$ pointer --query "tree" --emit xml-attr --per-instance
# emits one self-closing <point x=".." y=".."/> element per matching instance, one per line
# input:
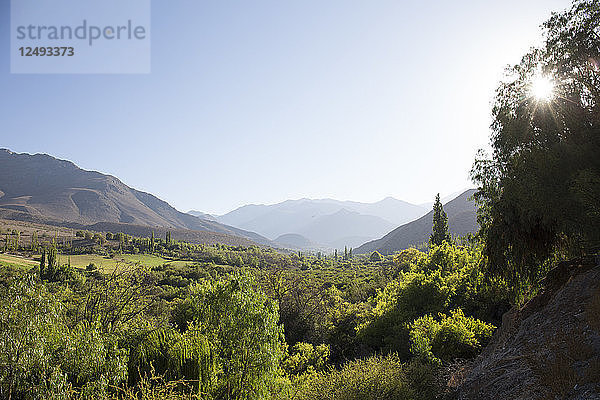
<point x="28" y="317"/>
<point x="539" y="190"/>
<point x="34" y="241"/>
<point x="375" y="257"/>
<point x="52" y="257"/>
<point x="43" y="262"/>
<point x="440" y="232"/>
<point x="241" y="324"/>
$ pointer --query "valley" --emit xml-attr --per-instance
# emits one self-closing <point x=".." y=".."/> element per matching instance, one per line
<point x="268" y="121"/>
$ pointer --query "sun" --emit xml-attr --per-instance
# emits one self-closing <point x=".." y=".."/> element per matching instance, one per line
<point x="542" y="88"/>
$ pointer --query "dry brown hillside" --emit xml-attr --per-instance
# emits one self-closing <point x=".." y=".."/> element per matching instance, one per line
<point x="549" y="348"/>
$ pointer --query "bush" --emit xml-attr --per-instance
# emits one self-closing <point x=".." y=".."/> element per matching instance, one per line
<point x="174" y="356"/>
<point x="373" y="378"/>
<point x="454" y="336"/>
<point x="414" y="295"/>
<point x="41" y="357"/>
<point x="305" y="357"/>
<point x="242" y="327"/>
<point x="375" y="257"/>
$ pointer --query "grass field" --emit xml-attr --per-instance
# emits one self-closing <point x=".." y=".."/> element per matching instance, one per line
<point x="108" y="264"/>
<point x="105" y="264"/>
<point x="17" y="262"/>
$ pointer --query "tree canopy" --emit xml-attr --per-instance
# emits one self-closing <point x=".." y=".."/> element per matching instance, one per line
<point x="539" y="190"/>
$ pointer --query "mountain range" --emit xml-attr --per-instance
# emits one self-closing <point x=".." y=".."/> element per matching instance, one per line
<point x="43" y="188"/>
<point x="324" y="222"/>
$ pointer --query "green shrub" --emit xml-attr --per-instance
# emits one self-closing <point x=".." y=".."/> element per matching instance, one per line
<point x="41" y="357"/>
<point x="413" y="295"/>
<point x="241" y="324"/>
<point x="305" y="357"/>
<point x="173" y="356"/>
<point x="376" y="377"/>
<point x="454" y="336"/>
<point x="90" y="359"/>
<point x="375" y="257"/>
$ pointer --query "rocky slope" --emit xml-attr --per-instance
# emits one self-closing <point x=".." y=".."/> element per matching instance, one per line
<point x="549" y="348"/>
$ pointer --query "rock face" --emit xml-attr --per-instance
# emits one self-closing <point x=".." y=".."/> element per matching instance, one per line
<point x="548" y="349"/>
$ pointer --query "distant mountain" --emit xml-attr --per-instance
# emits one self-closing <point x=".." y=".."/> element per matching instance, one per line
<point x="45" y="188"/>
<point x="295" y="241"/>
<point x="325" y="222"/>
<point x="444" y="200"/>
<point x="202" y="215"/>
<point x="345" y="228"/>
<point x="462" y="219"/>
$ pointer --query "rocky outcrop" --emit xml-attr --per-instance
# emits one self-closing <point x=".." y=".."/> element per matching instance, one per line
<point x="549" y="348"/>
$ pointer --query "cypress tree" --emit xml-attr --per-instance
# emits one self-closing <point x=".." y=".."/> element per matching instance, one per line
<point x="440" y="232"/>
<point x="43" y="262"/>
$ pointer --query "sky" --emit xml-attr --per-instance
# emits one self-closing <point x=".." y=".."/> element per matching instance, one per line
<point x="262" y="101"/>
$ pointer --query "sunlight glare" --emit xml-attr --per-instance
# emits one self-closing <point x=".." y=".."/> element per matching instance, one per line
<point x="542" y="88"/>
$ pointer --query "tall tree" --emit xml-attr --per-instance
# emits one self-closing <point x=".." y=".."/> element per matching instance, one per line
<point x="539" y="190"/>
<point x="440" y="232"/>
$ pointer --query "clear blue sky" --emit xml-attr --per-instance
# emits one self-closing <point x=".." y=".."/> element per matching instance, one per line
<point x="262" y="101"/>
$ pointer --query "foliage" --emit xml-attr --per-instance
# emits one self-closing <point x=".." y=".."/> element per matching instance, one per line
<point x="242" y="326"/>
<point x="373" y="378"/>
<point x="539" y="191"/>
<point x="453" y="336"/>
<point x="375" y="257"/>
<point x="173" y="356"/>
<point x="446" y="278"/>
<point x="305" y="357"/>
<point x="28" y="317"/>
<point x="191" y="328"/>
<point x="114" y="300"/>
<point x="440" y="232"/>
<point x="41" y="357"/>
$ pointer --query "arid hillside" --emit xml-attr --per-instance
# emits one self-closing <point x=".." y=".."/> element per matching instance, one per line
<point x="548" y="349"/>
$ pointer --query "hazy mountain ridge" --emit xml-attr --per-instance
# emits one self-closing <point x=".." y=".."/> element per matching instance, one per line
<point x="462" y="219"/>
<point x="325" y="222"/>
<point x="295" y="241"/>
<point x="201" y="215"/>
<point x="49" y="188"/>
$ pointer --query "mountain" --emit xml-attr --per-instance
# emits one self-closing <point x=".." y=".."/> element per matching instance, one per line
<point x="462" y="219"/>
<point x="202" y="215"/>
<point x="45" y="188"/>
<point x="345" y="228"/>
<point x="326" y="222"/>
<point x="444" y="200"/>
<point x="295" y="241"/>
